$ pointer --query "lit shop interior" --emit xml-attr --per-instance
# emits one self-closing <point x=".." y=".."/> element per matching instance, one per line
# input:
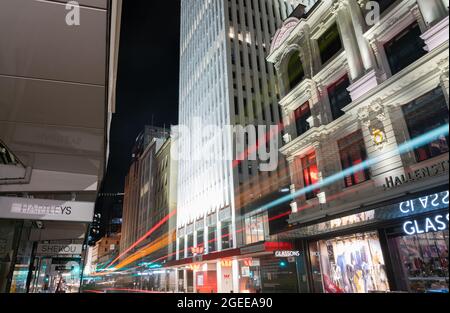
<point x="31" y="265"/>
<point x="401" y="247"/>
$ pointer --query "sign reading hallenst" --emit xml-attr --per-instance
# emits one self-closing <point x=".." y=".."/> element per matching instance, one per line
<point x="46" y="210"/>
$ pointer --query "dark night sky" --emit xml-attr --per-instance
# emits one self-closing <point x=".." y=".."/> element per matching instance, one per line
<point x="147" y="82"/>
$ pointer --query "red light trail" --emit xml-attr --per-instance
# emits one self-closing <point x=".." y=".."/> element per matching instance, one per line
<point x="159" y="224"/>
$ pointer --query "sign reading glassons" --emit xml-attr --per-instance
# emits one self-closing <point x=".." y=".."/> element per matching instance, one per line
<point x="286" y="254"/>
<point x="437" y="200"/>
<point x="434" y="223"/>
<point x="43" y="209"/>
<point x="438" y="222"/>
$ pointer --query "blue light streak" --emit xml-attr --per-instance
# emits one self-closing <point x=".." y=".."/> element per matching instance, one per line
<point x="405" y="147"/>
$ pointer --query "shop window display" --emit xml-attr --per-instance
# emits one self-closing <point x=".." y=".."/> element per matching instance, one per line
<point x="350" y="264"/>
<point x="423" y="261"/>
<point x="250" y="276"/>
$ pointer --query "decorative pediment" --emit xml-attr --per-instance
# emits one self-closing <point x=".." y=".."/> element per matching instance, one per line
<point x="283" y="33"/>
<point x="299" y="95"/>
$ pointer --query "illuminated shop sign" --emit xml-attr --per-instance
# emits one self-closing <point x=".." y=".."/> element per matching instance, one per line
<point x="437" y="200"/>
<point x="286" y="254"/>
<point x="43" y="209"/>
<point x="226" y="263"/>
<point x="59" y="249"/>
<point x="197" y="250"/>
<point x="439" y="222"/>
<point x="430" y="204"/>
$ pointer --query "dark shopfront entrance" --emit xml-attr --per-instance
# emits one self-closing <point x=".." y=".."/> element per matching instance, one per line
<point x="395" y="248"/>
<point x="30" y="266"/>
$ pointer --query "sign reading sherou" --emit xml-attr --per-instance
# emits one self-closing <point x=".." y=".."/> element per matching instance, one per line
<point x="43" y="209"/>
<point x="59" y="249"/>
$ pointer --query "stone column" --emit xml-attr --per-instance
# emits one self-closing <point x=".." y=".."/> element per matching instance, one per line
<point x="367" y="55"/>
<point x="444" y="79"/>
<point x="381" y="58"/>
<point x="377" y="117"/>
<point x="281" y="81"/>
<point x="344" y="21"/>
<point x="419" y="17"/>
<point x="432" y="11"/>
<point x="296" y="175"/>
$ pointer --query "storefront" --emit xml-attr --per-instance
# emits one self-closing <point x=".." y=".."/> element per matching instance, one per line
<point x="41" y="244"/>
<point x="269" y="267"/>
<point x="399" y="247"/>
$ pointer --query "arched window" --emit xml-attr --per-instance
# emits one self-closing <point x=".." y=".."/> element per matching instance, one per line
<point x="295" y="70"/>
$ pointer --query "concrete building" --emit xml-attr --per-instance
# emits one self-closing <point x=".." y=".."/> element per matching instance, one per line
<point x="106" y="249"/>
<point x="57" y="81"/>
<point x="150" y="205"/>
<point x="139" y="198"/>
<point x="224" y="81"/>
<point x="358" y="89"/>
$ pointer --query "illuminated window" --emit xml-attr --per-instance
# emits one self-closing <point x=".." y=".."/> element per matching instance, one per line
<point x="405" y="48"/>
<point x="200" y="239"/>
<point x="295" y="70"/>
<point x="339" y="96"/>
<point x="231" y="33"/>
<point x="190" y="244"/>
<point x="423" y="115"/>
<point x="352" y="151"/>
<point x="255" y="228"/>
<point x="227" y="235"/>
<point x="301" y="115"/>
<point x="181" y="248"/>
<point x="212" y="239"/>
<point x="310" y="174"/>
<point x="329" y="44"/>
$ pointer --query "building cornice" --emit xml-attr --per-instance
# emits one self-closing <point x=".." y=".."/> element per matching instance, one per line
<point x="314" y="136"/>
<point x="299" y="95"/>
<point x="416" y="79"/>
<point x="400" y="12"/>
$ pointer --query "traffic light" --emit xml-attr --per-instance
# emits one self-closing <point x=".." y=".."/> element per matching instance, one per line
<point x="283" y="263"/>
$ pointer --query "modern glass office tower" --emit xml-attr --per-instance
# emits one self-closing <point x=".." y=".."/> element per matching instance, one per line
<point x="224" y="80"/>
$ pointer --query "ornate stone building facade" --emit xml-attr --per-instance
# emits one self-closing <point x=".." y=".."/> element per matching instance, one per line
<point x="375" y="89"/>
<point x="359" y="82"/>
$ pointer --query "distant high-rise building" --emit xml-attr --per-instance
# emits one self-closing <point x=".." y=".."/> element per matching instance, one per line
<point x="138" y="196"/>
<point x="224" y="81"/>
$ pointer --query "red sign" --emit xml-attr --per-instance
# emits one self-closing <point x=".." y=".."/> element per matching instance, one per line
<point x="197" y="250"/>
<point x="277" y="246"/>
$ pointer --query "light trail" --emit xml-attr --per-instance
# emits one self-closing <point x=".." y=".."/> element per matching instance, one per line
<point x="159" y="224"/>
<point x="267" y="137"/>
<point x="401" y="149"/>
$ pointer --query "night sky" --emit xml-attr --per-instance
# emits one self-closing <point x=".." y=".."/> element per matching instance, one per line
<point x="147" y="85"/>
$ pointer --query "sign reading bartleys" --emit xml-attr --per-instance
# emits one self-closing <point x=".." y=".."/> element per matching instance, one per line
<point x="47" y="210"/>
